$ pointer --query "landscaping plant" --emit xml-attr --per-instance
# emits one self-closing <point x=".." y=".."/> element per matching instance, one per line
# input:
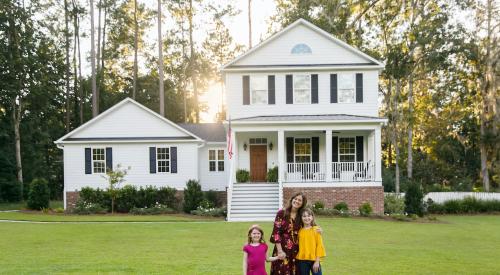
<point x="414" y="200"/>
<point x="192" y="196"/>
<point x="39" y="194"/>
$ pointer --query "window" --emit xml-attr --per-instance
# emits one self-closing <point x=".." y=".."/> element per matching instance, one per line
<point x="347" y="149"/>
<point x="258" y="141"/>
<point x="346" y="88"/>
<point x="302" y="89"/>
<point x="258" y="89"/>
<point x="302" y="148"/>
<point x="301" y="49"/>
<point x="216" y="160"/>
<point x="163" y="159"/>
<point x="98" y="160"/>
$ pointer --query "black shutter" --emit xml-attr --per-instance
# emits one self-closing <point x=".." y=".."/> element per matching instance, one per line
<point x="173" y="162"/>
<point x="289" y="149"/>
<point x="152" y="160"/>
<point x="109" y="159"/>
<point x="333" y="88"/>
<point x="314" y="88"/>
<point x="315" y="149"/>
<point x="246" y="90"/>
<point x="289" y="89"/>
<point x="88" y="161"/>
<point x="271" y="98"/>
<point x="359" y="88"/>
<point x="359" y="148"/>
<point x="335" y="149"/>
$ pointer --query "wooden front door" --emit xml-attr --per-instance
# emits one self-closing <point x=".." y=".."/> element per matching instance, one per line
<point x="258" y="163"/>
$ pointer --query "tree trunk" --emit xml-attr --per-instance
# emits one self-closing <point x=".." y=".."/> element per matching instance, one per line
<point x="394" y="132"/>
<point x="409" y="161"/>
<point x="249" y="24"/>
<point x="95" y="100"/>
<point x="80" y="88"/>
<point x="75" y="70"/>
<point x="484" y="159"/>
<point x="136" y="30"/>
<point x="16" y="118"/>
<point x="67" y="66"/>
<point x="103" y="42"/>
<point x="192" y="63"/>
<point x="160" y="62"/>
<point x="99" y="8"/>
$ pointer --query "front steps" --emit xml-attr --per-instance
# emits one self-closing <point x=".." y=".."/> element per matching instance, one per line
<point x="254" y="202"/>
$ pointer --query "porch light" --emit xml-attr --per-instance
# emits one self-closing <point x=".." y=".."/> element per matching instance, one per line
<point x="271" y="146"/>
<point x="245" y="146"/>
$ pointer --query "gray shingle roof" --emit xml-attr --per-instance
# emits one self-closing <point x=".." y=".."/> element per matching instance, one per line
<point x="308" y="118"/>
<point x="211" y="132"/>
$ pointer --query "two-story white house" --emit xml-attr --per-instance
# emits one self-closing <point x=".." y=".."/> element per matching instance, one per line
<point x="302" y="101"/>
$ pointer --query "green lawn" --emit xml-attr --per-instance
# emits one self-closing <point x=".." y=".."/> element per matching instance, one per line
<point x="456" y="244"/>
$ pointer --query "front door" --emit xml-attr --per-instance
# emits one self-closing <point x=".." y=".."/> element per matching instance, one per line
<point x="258" y="163"/>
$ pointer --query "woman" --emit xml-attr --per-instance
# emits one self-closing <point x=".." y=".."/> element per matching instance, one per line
<point x="285" y="236"/>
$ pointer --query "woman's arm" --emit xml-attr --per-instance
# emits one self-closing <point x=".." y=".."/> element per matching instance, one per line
<point x="281" y="253"/>
<point x="316" y="265"/>
<point x="245" y="256"/>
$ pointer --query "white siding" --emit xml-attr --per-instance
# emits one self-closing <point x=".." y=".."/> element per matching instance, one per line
<point x="129" y="120"/>
<point x="369" y="107"/>
<point x="137" y="157"/>
<point x="213" y="180"/>
<point x="324" y="50"/>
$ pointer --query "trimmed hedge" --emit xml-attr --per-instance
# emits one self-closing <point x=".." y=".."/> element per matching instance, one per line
<point x="468" y="205"/>
<point x="39" y="194"/>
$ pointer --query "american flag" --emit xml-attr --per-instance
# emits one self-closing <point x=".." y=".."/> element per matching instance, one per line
<point x="229" y="141"/>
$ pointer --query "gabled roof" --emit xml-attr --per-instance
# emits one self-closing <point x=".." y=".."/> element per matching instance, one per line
<point x="70" y="136"/>
<point x="210" y="132"/>
<point x="372" y="61"/>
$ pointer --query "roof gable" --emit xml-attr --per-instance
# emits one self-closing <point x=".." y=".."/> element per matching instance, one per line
<point x="128" y="120"/>
<point x="302" y="43"/>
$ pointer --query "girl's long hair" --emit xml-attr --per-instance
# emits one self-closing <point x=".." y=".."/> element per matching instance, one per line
<point x="257" y="227"/>
<point x="310" y="212"/>
<point x="288" y="209"/>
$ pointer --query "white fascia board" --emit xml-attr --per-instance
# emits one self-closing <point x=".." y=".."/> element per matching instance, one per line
<point x="373" y="121"/>
<point x="128" y="141"/>
<point x="306" y="68"/>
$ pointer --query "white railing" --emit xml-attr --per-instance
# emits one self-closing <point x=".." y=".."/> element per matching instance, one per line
<point x="353" y="171"/>
<point x="305" y="172"/>
<point x="441" y="197"/>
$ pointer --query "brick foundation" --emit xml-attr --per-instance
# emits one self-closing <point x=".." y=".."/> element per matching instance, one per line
<point x="72" y="198"/>
<point x="330" y="196"/>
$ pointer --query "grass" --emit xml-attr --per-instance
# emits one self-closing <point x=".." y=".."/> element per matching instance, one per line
<point x="456" y="244"/>
<point x="23" y="205"/>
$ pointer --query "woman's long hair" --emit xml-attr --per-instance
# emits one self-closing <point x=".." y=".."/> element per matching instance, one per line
<point x="288" y="209"/>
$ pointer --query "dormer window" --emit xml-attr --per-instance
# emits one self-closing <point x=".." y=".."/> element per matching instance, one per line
<point x="301" y="49"/>
<point x="258" y="89"/>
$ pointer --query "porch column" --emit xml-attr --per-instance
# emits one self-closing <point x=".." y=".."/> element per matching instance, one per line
<point x="281" y="156"/>
<point x="378" y="154"/>
<point x="234" y="159"/>
<point x="328" y="161"/>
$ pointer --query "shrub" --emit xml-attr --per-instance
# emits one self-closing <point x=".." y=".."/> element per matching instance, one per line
<point x="394" y="204"/>
<point x="39" y="194"/>
<point x="192" y="196"/>
<point x="84" y="208"/>
<point x="341" y="206"/>
<point x="467" y="205"/>
<point x="212" y="197"/>
<point x="211" y="212"/>
<point x="319" y="205"/>
<point x="326" y="211"/>
<point x="98" y="196"/>
<point x="365" y="209"/>
<point x="59" y="210"/>
<point x="272" y="174"/>
<point x="166" y="196"/>
<point x="242" y="175"/>
<point x="10" y="190"/>
<point x="157" y="209"/>
<point x="146" y="196"/>
<point x="126" y="198"/>
<point x="413" y="200"/>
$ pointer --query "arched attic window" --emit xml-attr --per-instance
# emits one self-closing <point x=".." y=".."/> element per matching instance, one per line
<point x="301" y="49"/>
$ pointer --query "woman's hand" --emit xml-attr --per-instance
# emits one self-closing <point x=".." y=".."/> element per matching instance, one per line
<point x="316" y="266"/>
<point x="319" y="230"/>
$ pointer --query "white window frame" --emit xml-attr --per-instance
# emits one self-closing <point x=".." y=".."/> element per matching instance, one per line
<point x="94" y="161"/>
<point x="217" y="160"/>
<point x="294" y="87"/>
<point x="265" y="80"/>
<point x="348" y="154"/>
<point x="163" y="159"/>
<point x="341" y="89"/>
<point x="295" y="155"/>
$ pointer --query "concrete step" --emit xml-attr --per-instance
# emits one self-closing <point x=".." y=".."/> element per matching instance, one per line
<point x="252" y="217"/>
<point x="254" y="203"/>
<point x="249" y="206"/>
<point x="260" y="195"/>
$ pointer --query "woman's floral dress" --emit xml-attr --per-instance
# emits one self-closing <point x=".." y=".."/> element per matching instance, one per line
<point x="285" y="231"/>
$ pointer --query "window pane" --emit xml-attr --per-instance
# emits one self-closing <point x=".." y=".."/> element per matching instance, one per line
<point x="302" y="82"/>
<point x="221" y="166"/>
<point x="259" y="96"/>
<point x="211" y="165"/>
<point x="211" y="154"/>
<point x="258" y="82"/>
<point x="346" y="96"/>
<point x="221" y="155"/>
<point x="258" y="86"/>
<point x="99" y="167"/>
<point x="346" y="81"/>
<point x="301" y="159"/>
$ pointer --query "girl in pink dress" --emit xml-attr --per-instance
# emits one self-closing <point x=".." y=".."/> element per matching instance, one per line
<point x="255" y="253"/>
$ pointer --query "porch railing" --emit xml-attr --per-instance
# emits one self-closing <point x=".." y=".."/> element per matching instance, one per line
<point x="341" y="171"/>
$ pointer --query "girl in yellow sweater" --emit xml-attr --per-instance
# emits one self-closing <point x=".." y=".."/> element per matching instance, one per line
<point x="311" y="248"/>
